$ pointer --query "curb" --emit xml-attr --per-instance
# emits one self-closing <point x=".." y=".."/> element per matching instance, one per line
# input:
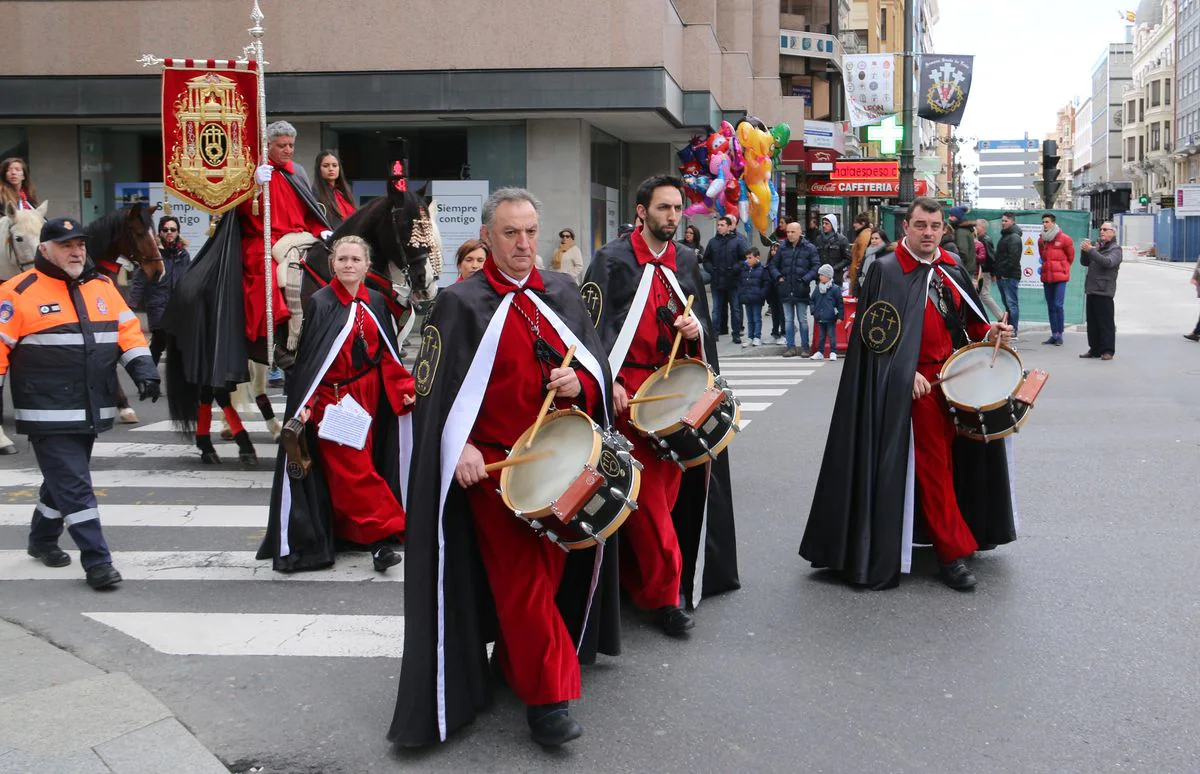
<point x="59" y="713"/>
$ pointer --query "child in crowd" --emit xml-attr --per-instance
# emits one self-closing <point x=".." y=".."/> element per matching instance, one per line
<point x="827" y="309"/>
<point x="754" y="280"/>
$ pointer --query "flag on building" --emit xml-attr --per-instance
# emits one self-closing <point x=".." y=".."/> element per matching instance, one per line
<point x="945" y="86"/>
<point x="870" y="83"/>
<point x="210" y="131"/>
<point x="1128" y="16"/>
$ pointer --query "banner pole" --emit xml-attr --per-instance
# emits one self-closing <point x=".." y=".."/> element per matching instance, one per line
<point x="909" y="107"/>
<point x="256" y="34"/>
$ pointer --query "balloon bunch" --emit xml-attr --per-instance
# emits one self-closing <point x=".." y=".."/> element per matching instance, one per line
<point x="740" y="180"/>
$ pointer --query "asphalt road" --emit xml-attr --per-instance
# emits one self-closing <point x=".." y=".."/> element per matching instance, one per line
<point x="1078" y="652"/>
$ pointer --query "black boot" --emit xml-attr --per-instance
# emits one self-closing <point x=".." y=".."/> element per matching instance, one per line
<point x="51" y="556"/>
<point x="551" y="725"/>
<point x="103" y="576"/>
<point x="208" y="453"/>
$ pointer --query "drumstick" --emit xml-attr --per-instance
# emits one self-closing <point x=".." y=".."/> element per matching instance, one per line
<point x="652" y="398"/>
<point x="537" y="425"/>
<point x="955" y="375"/>
<point x="678" y="337"/>
<point x="996" y="349"/>
<point x="521" y="460"/>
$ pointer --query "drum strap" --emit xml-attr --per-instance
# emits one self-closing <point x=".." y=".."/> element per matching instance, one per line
<point x="943" y="300"/>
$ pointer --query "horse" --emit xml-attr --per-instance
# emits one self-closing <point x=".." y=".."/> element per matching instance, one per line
<point x="20" y="233"/>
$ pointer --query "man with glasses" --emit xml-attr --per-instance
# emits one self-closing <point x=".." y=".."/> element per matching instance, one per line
<point x="1103" y="261"/>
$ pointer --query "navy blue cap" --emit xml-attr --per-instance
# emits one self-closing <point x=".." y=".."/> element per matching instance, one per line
<point x="62" y="230"/>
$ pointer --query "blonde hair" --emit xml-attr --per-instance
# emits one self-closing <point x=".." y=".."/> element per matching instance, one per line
<point x="352" y="240"/>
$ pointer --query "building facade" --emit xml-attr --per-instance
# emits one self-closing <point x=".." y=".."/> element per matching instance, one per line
<point x="1187" y="92"/>
<point x="1064" y="135"/>
<point x="1148" y="113"/>
<point x="1108" y="188"/>
<point x="1081" y="154"/>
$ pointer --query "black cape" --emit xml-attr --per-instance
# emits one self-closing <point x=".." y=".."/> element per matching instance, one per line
<point x="310" y="543"/>
<point x="205" y="318"/>
<point x="450" y="343"/>
<point x="855" y="526"/>
<point x="608" y="291"/>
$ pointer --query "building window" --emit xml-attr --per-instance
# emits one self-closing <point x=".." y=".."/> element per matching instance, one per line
<point x="1141" y="110"/>
<point x="1166" y="133"/>
<point x="1155" y="93"/>
<point x="1167" y="92"/>
<point x="1141" y="147"/>
<point x="1129" y="149"/>
<point x="883" y="28"/>
<point x="1155" y="136"/>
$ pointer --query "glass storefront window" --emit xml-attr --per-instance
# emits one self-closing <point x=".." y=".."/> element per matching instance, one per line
<point x="609" y="167"/>
<point x="115" y="156"/>
<point x="14" y="142"/>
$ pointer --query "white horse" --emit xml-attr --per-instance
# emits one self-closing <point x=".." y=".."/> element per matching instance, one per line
<point x="20" y="232"/>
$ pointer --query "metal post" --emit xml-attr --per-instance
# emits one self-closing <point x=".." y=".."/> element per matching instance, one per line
<point x="256" y="34"/>
<point x="908" y="112"/>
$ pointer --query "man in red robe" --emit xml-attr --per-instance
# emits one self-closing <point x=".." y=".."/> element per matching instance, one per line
<point x="293" y="211"/>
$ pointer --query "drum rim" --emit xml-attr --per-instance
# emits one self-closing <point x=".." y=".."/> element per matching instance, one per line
<point x="989" y="437"/>
<point x="656" y="377"/>
<point x="987" y="406"/>
<point x="616" y="523"/>
<point x="593" y="459"/>
<point x="721" y="445"/>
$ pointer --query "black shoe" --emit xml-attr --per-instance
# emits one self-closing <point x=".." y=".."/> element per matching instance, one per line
<point x="51" y="556"/>
<point x="1058" y="341"/>
<point x="957" y="576"/>
<point x="1188" y="336"/>
<point x="551" y="725"/>
<point x="737" y="340"/>
<point x="384" y="556"/>
<point x="1088" y="355"/>
<point x="103" y="576"/>
<point x="674" y="621"/>
<point x="1051" y="341"/>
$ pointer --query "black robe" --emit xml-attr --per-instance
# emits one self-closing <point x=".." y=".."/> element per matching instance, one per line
<point x="855" y="526"/>
<point x="310" y="538"/>
<point x="705" y="491"/>
<point x="450" y="344"/>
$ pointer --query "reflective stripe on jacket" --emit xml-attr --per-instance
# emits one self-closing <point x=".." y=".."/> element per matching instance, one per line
<point x="62" y="339"/>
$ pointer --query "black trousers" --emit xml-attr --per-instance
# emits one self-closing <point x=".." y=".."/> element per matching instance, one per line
<point x="1101" y="325"/>
<point x="1196" y="330"/>
<point x="66" y="497"/>
<point x="776" y="307"/>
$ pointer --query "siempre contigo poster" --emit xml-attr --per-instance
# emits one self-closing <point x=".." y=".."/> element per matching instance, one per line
<point x="945" y="85"/>
<point x="870" y="81"/>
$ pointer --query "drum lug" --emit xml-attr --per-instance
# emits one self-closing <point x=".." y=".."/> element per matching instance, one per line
<point x="587" y="530"/>
<point x="616" y="494"/>
<point x="720" y="381"/>
<point x="708" y="451"/>
<point x="535" y="525"/>
<point x="521" y="515"/>
<point x="725" y="417"/>
<point x="728" y="393"/>
<point x="629" y="459"/>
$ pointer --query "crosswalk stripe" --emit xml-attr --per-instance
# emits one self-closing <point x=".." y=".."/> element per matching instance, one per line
<point x="753" y="363"/>
<point x="117" y="515"/>
<point x="753" y="382"/>
<point x="167" y="450"/>
<point x="167" y="426"/>
<point x="760" y="393"/>
<point x="262" y="634"/>
<point x="754" y="407"/>
<point x="745" y="423"/>
<point x="731" y="372"/>
<point x="198" y="565"/>
<point x="154" y="479"/>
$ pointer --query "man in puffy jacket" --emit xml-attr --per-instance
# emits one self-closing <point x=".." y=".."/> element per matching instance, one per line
<point x="833" y="248"/>
<point x="1103" y="262"/>
<point x="1007" y="267"/>
<point x="1058" y="253"/>
<point x="796" y="263"/>
<point x="964" y="239"/>
<point x="722" y="256"/>
<point x="63" y="330"/>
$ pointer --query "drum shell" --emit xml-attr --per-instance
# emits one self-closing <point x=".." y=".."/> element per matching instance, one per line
<point x="993" y="419"/>
<point x="713" y="428"/>
<point x="992" y="423"/>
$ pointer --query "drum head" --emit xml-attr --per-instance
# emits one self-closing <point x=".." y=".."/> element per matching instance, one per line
<point x="983" y="384"/>
<point x="534" y="485"/>
<point x="689" y="377"/>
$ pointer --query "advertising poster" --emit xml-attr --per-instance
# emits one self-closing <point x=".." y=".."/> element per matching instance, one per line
<point x="193" y="221"/>
<point x="459" y="216"/>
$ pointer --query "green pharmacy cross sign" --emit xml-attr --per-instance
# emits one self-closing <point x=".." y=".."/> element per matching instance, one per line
<point x="888" y="134"/>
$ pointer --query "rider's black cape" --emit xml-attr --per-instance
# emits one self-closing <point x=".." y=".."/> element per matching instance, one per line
<point x="205" y="317"/>
<point x="855" y="526"/>
<point x="307" y="541"/>
<point x="449" y="615"/>
<point x="705" y="490"/>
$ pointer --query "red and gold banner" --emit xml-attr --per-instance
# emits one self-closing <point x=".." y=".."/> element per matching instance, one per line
<point x="210" y="131"/>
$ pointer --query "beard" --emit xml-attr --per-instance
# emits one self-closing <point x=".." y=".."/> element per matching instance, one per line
<point x="661" y="231"/>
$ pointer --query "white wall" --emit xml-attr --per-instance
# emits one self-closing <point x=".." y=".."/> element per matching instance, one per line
<point x="558" y="172"/>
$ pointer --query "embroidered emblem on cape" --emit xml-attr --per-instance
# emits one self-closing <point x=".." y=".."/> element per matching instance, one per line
<point x="880" y="327"/>
<point x="6" y="311"/>
<point x="427" y="360"/>
<point x="593" y="299"/>
<point x="101" y="306"/>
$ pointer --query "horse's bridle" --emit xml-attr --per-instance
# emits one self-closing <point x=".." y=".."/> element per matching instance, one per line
<point x="12" y="250"/>
<point x="401" y="244"/>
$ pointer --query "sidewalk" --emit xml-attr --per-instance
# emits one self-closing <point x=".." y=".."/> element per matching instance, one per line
<point x="61" y="715"/>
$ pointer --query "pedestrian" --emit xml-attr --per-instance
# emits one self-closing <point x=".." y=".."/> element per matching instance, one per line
<point x="774" y="305"/>
<point x="814" y="228"/>
<point x="833" y="248"/>
<point x="1057" y="252"/>
<point x="474" y="572"/>
<point x="16" y="188"/>
<point x="879" y="245"/>
<point x="1103" y="261"/>
<point x="63" y="329"/>
<point x="755" y="279"/>
<point x="798" y="264"/>
<point x="567" y="258"/>
<point x="1195" y="334"/>
<point x="985" y="252"/>
<point x="152" y="297"/>
<point x="721" y="258"/>
<point x="891" y="457"/>
<point x="469" y="258"/>
<point x="827" y="310"/>
<point x="858" y="250"/>
<point x="348" y="492"/>
<point x="1007" y="268"/>
<point x="963" y="232"/>
<point x="332" y="190"/>
<point x="691" y="238"/>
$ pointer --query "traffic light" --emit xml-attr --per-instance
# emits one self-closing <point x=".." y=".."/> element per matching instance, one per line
<point x="1143" y="199"/>
<point x="1050" y="173"/>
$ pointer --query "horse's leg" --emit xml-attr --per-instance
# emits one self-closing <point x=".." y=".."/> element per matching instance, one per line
<point x="6" y="444"/>
<point x="258" y="388"/>
<point x="208" y="454"/>
<point x="246" y="454"/>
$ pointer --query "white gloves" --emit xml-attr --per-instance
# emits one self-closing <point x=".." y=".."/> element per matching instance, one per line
<point x="325" y="235"/>
<point x="263" y="174"/>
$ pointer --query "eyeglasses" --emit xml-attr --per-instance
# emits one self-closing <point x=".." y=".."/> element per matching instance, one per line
<point x="564" y="236"/>
<point x="169" y="230"/>
<point x="1107" y="228"/>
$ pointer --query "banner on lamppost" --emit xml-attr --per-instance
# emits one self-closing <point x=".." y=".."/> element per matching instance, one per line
<point x="870" y="82"/>
<point x="210" y="130"/>
<point x="945" y="86"/>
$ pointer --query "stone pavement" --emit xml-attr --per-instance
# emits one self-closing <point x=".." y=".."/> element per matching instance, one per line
<point x="61" y="715"/>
